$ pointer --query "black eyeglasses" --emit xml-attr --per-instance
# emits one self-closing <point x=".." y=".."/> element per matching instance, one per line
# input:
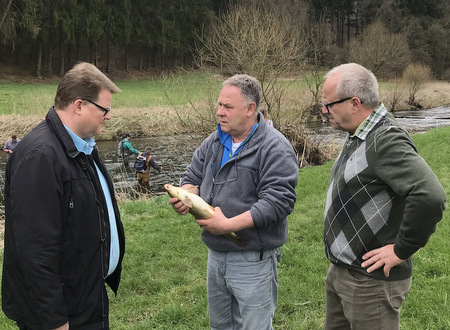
<point x="326" y="105"/>
<point x="99" y="106"/>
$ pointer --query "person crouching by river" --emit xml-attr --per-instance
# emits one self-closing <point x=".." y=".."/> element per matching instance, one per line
<point x="142" y="166"/>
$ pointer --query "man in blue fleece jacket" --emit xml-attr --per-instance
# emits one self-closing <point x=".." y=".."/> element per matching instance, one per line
<point x="248" y="171"/>
<point x="383" y="204"/>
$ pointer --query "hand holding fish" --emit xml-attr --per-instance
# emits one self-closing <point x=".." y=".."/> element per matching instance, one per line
<point x="188" y="200"/>
<point x="219" y="224"/>
<point x="177" y="197"/>
<point x="179" y="206"/>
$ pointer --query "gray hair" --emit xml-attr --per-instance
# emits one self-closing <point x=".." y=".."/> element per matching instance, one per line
<point x="357" y="81"/>
<point x="249" y="86"/>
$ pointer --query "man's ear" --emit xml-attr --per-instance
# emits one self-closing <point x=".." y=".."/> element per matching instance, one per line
<point x="76" y="106"/>
<point x="251" y="108"/>
<point x="356" y="104"/>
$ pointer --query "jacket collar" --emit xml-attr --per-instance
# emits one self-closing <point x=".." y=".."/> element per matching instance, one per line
<point x="56" y="125"/>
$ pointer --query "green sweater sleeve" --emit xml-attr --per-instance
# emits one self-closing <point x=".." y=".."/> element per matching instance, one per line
<point x="397" y="163"/>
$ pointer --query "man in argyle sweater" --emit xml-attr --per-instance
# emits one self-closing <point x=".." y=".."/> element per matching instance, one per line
<point x="383" y="203"/>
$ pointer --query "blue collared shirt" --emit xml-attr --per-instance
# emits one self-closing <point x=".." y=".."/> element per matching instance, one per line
<point x="227" y="141"/>
<point x="86" y="146"/>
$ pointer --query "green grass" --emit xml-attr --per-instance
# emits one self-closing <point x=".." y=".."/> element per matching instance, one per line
<point x="36" y="98"/>
<point x="18" y="98"/>
<point x="163" y="281"/>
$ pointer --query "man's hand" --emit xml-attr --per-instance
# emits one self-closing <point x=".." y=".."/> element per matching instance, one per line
<point x="384" y="256"/>
<point x="178" y="206"/>
<point x="219" y="224"/>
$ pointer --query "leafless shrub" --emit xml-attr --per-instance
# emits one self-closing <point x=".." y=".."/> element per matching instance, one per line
<point x="196" y="117"/>
<point x="416" y="75"/>
<point x="308" y="151"/>
<point x="386" y="54"/>
<point x="392" y="98"/>
<point x="320" y="46"/>
<point x="260" y="42"/>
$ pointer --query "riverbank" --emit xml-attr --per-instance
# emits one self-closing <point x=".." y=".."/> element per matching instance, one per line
<point x="160" y="116"/>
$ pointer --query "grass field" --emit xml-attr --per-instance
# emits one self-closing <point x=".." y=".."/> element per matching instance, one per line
<point x="35" y="98"/>
<point x="163" y="281"/>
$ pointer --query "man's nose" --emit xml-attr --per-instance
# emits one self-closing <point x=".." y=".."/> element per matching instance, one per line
<point x="220" y="111"/>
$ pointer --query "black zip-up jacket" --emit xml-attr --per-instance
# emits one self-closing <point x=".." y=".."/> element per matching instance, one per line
<point x="57" y="233"/>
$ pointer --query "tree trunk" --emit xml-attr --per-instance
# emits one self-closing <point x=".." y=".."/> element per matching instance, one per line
<point x="61" y="50"/>
<point x="108" y="64"/>
<point x="95" y="54"/>
<point x="39" y="60"/>
<point x="69" y="59"/>
<point x="50" y="57"/>
<point x="77" y="51"/>
<point x="349" y="25"/>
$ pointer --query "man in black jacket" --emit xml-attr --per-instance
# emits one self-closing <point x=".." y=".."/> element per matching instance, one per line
<point x="63" y="234"/>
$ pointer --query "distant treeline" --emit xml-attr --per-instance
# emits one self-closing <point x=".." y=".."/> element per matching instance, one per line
<point x="46" y="37"/>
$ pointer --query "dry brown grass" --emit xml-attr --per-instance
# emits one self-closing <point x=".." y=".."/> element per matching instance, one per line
<point x="152" y="121"/>
<point x="156" y="121"/>
<point x="167" y="120"/>
<point x="433" y="94"/>
<point x="17" y="124"/>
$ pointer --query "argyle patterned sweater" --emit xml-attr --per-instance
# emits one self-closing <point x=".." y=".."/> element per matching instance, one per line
<point x="381" y="192"/>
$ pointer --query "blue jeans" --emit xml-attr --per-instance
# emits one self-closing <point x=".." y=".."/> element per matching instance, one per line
<point x="242" y="289"/>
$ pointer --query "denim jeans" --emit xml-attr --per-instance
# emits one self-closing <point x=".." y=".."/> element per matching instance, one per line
<point x="242" y="289"/>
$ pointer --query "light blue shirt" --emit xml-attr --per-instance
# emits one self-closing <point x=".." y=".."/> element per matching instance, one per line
<point x="86" y="146"/>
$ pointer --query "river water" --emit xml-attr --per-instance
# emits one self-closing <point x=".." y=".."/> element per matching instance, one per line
<point x="174" y="152"/>
<point x="415" y="121"/>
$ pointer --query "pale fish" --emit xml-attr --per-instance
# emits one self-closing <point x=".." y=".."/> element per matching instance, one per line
<point x="198" y="207"/>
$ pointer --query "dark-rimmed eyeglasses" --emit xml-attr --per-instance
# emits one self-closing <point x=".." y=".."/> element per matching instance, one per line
<point x="105" y="110"/>
<point x="326" y="105"/>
